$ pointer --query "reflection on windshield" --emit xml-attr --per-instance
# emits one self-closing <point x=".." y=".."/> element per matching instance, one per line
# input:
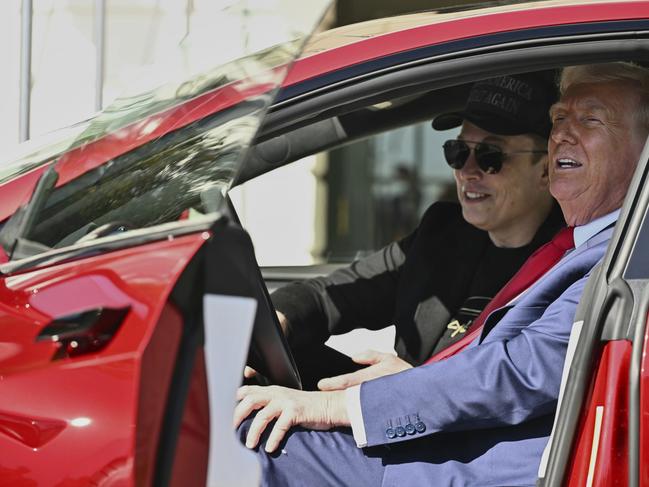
<point x="257" y="68"/>
<point x="127" y="110"/>
<point x="171" y="178"/>
<point x="164" y="156"/>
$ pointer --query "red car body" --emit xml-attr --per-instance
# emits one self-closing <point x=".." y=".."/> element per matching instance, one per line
<point x="97" y="417"/>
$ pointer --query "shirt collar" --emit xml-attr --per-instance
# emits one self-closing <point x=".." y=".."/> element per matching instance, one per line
<point x="584" y="232"/>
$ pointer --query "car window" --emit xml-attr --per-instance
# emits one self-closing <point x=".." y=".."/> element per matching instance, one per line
<point x="142" y="172"/>
<point x="164" y="156"/>
<point x="347" y="202"/>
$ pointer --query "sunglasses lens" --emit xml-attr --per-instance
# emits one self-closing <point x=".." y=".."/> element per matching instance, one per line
<point x="456" y="152"/>
<point x="489" y="158"/>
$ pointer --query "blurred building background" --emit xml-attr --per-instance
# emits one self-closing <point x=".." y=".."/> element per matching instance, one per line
<point x="331" y="207"/>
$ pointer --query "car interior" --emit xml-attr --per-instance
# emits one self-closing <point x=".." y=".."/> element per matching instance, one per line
<point x="328" y="118"/>
<point x="360" y="108"/>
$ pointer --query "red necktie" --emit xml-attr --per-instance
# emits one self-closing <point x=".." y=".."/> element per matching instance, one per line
<point x="534" y="267"/>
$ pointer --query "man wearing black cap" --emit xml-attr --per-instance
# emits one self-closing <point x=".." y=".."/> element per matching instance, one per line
<point x="433" y="283"/>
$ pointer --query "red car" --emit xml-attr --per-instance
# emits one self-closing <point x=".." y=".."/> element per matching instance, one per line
<point x="130" y="297"/>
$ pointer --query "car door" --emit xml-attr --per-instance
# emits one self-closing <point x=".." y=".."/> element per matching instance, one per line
<point x="105" y="332"/>
<point x="600" y="434"/>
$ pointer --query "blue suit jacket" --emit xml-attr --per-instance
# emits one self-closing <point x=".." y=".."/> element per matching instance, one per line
<point x="487" y="411"/>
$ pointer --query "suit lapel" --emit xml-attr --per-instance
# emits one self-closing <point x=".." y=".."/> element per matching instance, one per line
<point x="493" y="319"/>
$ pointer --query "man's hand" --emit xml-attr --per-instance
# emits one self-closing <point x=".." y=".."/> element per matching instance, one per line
<point x="380" y="364"/>
<point x="249" y="372"/>
<point x="283" y="321"/>
<point x="314" y="410"/>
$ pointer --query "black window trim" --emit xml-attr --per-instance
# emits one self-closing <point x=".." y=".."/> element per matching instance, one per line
<point x="529" y="36"/>
<point x="433" y="73"/>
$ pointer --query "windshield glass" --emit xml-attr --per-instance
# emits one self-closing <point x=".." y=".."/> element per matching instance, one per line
<point x="167" y="156"/>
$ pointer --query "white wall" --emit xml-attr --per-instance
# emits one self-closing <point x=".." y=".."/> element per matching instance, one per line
<point x="147" y="43"/>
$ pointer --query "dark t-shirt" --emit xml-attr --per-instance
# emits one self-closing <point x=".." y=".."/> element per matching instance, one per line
<point x="497" y="265"/>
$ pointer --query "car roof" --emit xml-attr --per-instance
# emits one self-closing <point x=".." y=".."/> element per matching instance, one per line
<point x="345" y="46"/>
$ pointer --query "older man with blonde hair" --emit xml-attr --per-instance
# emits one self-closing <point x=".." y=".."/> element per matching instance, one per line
<point x="483" y="416"/>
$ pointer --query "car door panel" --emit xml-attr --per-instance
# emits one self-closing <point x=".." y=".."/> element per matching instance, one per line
<point x="641" y="369"/>
<point x="118" y="388"/>
<point x="601" y="452"/>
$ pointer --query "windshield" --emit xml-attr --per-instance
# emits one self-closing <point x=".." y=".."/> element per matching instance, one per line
<point x="167" y="156"/>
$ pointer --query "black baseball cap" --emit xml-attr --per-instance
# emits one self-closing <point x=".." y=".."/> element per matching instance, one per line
<point x="507" y="105"/>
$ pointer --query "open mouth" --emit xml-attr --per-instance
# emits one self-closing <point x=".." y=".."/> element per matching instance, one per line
<point x="475" y="196"/>
<point x="567" y="163"/>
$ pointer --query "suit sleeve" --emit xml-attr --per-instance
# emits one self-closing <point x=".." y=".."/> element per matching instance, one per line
<point x="512" y="377"/>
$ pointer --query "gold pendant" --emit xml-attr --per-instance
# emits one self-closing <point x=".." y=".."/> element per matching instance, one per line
<point x="456" y="327"/>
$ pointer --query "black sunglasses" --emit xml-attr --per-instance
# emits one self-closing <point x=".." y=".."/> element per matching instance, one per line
<point x="489" y="157"/>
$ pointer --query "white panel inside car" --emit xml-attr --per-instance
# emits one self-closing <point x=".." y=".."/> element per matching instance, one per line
<point x="228" y="327"/>
<point x="572" y="346"/>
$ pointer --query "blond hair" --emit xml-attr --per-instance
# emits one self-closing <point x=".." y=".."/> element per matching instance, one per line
<point x="636" y="76"/>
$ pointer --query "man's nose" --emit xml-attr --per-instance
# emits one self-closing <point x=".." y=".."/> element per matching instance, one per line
<point x="470" y="170"/>
<point x="563" y="131"/>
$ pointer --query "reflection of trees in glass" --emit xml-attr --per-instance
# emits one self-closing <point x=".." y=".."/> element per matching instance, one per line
<point x="153" y="184"/>
<point x="265" y="67"/>
<point x="259" y="68"/>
